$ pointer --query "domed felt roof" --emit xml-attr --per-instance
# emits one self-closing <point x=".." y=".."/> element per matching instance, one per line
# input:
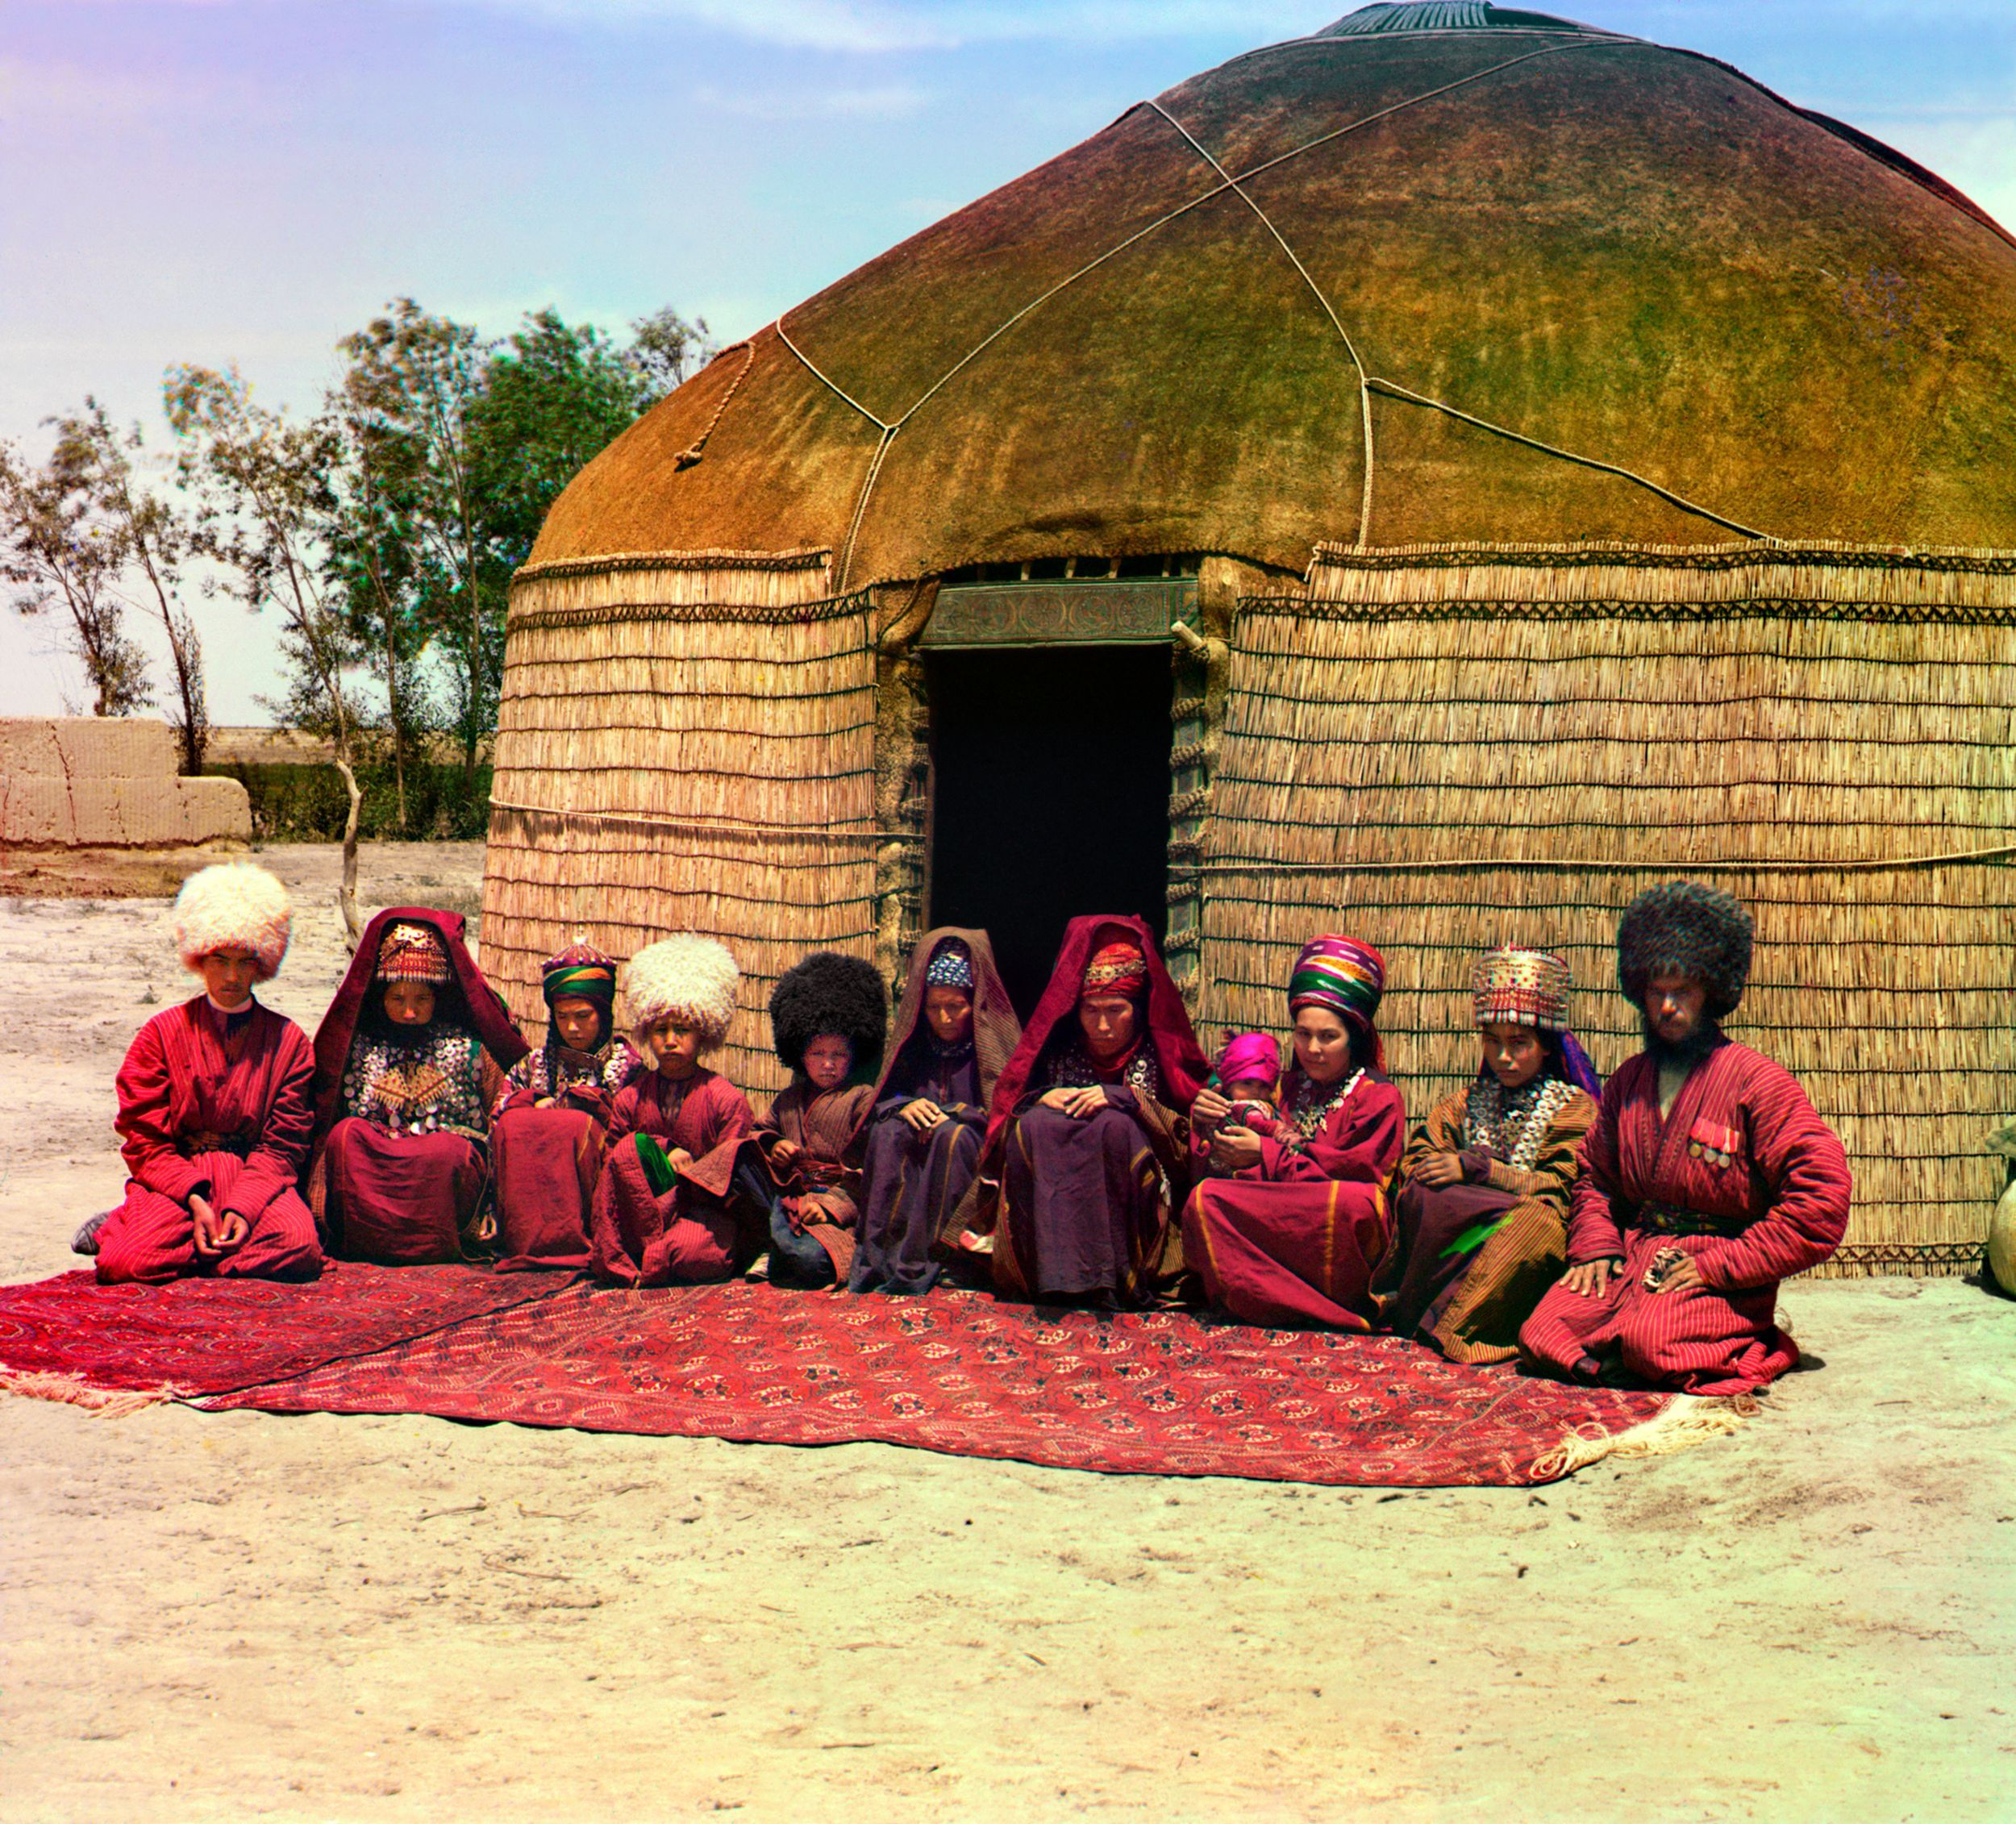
<point x="1511" y="226"/>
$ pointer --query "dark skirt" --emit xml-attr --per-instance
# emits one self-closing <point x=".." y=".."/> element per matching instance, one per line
<point x="1084" y="1209"/>
<point x="546" y="1161"/>
<point x="401" y="1198"/>
<point x="912" y="1182"/>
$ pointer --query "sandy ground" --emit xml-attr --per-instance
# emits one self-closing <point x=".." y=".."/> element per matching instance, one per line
<point x="242" y="1615"/>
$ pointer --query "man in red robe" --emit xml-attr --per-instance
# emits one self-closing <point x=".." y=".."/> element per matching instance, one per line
<point x="1706" y="1178"/>
<point x="215" y="1104"/>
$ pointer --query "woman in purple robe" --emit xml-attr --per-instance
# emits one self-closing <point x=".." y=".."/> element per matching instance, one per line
<point x="955" y="1032"/>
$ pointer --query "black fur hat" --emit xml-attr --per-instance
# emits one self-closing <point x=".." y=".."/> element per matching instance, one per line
<point x="1691" y="929"/>
<point x="829" y="993"/>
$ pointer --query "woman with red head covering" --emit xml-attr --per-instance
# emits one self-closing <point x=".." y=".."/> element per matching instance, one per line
<point x="1087" y="1138"/>
<point x="1289" y="1225"/>
<point x="409" y="1061"/>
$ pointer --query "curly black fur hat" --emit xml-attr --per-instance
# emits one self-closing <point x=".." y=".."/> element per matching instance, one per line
<point x="829" y="993"/>
<point x="1694" y="930"/>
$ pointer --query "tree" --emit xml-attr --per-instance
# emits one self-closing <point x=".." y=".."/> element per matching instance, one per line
<point x="266" y="507"/>
<point x="412" y="385"/>
<point x="665" y="350"/>
<point x="56" y="551"/>
<point x="152" y="537"/>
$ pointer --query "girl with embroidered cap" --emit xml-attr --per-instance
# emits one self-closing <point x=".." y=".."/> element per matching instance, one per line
<point x="552" y="1118"/>
<point x="409" y="1060"/>
<point x="828" y="1018"/>
<point x="955" y="1032"/>
<point x="1482" y="1214"/>
<point x="1289" y="1225"/>
<point x="1086" y="1139"/>
<point x="667" y="1209"/>
<point x="216" y="1108"/>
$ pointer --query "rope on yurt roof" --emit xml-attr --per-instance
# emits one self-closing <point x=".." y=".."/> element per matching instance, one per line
<point x="1876" y="864"/>
<point x="1230" y="182"/>
<point x="1394" y="389"/>
<point x="692" y="453"/>
<point x="1351" y="347"/>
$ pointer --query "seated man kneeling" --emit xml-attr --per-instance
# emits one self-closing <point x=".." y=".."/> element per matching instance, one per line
<point x="1707" y="1177"/>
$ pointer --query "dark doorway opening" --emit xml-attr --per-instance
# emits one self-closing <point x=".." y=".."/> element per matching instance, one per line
<point x="1050" y="794"/>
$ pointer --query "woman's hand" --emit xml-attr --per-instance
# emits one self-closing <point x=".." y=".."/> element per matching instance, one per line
<point x="1592" y="1278"/>
<point x="1208" y="1110"/>
<point x="681" y="1160"/>
<point x="922" y="1115"/>
<point x="1439" y="1170"/>
<point x="1233" y="1149"/>
<point x="216" y="1235"/>
<point x="1080" y="1104"/>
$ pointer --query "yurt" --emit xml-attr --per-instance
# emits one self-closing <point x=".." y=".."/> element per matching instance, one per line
<point x="1431" y="479"/>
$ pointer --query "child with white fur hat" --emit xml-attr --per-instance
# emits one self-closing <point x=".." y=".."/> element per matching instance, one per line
<point x="666" y="1211"/>
<point x="216" y="1107"/>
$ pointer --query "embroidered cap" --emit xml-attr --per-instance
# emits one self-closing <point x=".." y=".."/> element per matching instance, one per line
<point x="1118" y="968"/>
<point x="1515" y="987"/>
<point x="950" y="966"/>
<point x="412" y="953"/>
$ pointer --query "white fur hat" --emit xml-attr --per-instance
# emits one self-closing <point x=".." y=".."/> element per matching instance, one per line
<point x="691" y="976"/>
<point x="233" y="905"/>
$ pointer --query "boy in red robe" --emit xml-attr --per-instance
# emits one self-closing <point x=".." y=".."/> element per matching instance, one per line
<point x="667" y="1210"/>
<point x="215" y="1107"/>
<point x="1707" y="1177"/>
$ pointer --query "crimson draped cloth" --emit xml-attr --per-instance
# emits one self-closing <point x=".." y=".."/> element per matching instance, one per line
<point x="546" y="1161"/>
<point x="1086" y="1207"/>
<point x="1743" y="1176"/>
<point x="1296" y="1238"/>
<point x="407" y="1193"/>
<point x="919" y="1190"/>
<point x="696" y="1230"/>
<point x="219" y="1107"/>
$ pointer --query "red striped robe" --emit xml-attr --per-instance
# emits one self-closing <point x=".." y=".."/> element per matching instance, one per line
<point x="199" y="1117"/>
<point x="1744" y="1154"/>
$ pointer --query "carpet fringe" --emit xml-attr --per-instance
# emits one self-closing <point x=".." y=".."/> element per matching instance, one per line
<point x="1689" y="1420"/>
<point x="69" y="1390"/>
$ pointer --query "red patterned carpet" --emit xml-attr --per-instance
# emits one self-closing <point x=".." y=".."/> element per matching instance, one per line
<point x="1161" y="1394"/>
<point x="71" y="1339"/>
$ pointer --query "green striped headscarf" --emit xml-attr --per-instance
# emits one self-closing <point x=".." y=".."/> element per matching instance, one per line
<point x="580" y="970"/>
<point x="1340" y="974"/>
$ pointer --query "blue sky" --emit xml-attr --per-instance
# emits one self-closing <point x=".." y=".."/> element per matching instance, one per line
<point x="214" y="180"/>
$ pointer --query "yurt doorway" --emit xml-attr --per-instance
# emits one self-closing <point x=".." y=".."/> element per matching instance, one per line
<point x="1050" y="794"/>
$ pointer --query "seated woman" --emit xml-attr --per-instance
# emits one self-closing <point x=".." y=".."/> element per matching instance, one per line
<point x="827" y="1016"/>
<point x="1290" y="1225"/>
<point x="1087" y="1133"/>
<point x="1482" y="1214"/>
<point x="667" y="1209"/>
<point x="215" y="1109"/>
<point x="955" y="1032"/>
<point x="409" y="1060"/>
<point x="552" y="1119"/>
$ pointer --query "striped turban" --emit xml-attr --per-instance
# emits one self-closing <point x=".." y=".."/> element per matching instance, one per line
<point x="1339" y="973"/>
<point x="1118" y="968"/>
<point x="580" y="971"/>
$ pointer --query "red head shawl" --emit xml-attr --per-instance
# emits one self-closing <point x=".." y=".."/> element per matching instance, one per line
<point x="488" y="1017"/>
<point x="1177" y="1050"/>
